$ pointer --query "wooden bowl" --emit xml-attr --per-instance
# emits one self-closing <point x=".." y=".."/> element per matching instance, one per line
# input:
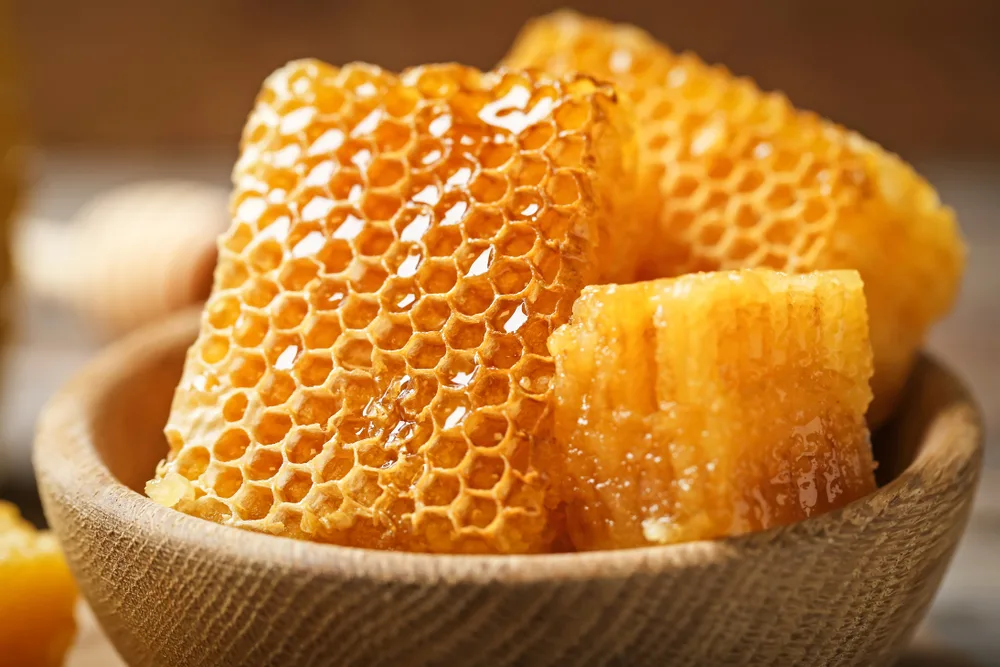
<point x="845" y="588"/>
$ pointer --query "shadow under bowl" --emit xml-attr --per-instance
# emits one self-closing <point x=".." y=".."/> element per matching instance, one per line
<point x="844" y="588"/>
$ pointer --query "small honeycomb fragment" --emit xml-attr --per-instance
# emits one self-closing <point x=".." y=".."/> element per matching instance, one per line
<point x="37" y="595"/>
<point x="372" y="367"/>
<point x="733" y="177"/>
<point x="711" y="404"/>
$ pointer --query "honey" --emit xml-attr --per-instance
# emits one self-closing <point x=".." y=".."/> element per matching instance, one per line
<point x="733" y="177"/>
<point x="36" y="605"/>
<point x="372" y="368"/>
<point x="711" y="405"/>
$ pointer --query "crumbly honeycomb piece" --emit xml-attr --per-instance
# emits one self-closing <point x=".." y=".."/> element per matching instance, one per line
<point x="372" y="367"/>
<point x="734" y="177"/>
<point x="711" y="404"/>
<point x="38" y="595"/>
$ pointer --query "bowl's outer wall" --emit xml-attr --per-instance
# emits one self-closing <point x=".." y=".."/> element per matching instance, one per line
<point x="846" y="588"/>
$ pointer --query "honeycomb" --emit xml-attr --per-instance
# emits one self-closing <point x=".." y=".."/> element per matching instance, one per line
<point x="711" y="404"/>
<point x="372" y="367"/>
<point x="733" y="177"/>
<point x="36" y="605"/>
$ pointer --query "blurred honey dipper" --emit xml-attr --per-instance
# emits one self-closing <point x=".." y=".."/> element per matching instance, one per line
<point x="130" y="255"/>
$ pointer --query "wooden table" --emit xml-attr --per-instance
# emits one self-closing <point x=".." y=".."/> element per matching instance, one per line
<point x="50" y="344"/>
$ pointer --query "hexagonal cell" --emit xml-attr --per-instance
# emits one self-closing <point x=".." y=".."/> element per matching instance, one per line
<point x="322" y="331"/>
<point x="437" y="275"/>
<point x="361" y="486"/>
<point x="490" y="388"/>
<point x="740" y="248"/>
<point x="496" y="152"/>
<point x="782" y="196"/>
<point x="338" y="464"/>
<point x="751" y="181"/>
<point x="711" y="232"/>
<point x="227" y="481"/>
<point x="536" y="136"/>
<point x="489" y="187"/>
<point x="253" y="502"/>
<point x="266" y="255"/>
<point x="358" y="312"/>
<point x="375" y="456"/>
<point x="534" y="335"/>
<point x="264" y="464"/>
<point x="366" y="277"/>
<point x="214" y="349"/>
<point x="547" y="263"/>
<point x="501" y="350"/>
<point x="234" y="407"/>
<point x="483" y="222"/>
<point x="430" y="314"/>
<point x="814" y="210"/>
<point x="510" y="276"/>
<point x="378" y="208"/>
<point x="486" y="429"/>
<point x="525" y="205"/>
<point x="271" y="427"/>
<point x="442" y="241"/>
<point x="282" y="349"/>
<point x="222" y="311"/>
<point x="315" y="407"/>
<point x="275" y="388"/>
<point x="447" y="451"/>
<point x="193" y="461"/>
<point x="484" y="471"/>
<point x="472" y="296"/>
<point x="534" y="374"/>
<point x="314" y="368"/>
<point x="231" y="445"/>
<point x="259" y="293"/>
<point x="438" y="488"/>
<point x="289" y="312"/>
<point x="237" y="238"/>
<point x="374" y="240"/>
<point x="391" y="333"/>
<point x="526" y="413"/>
<point x="516" y="239"/>
<point x="296" y="274"/>
<point x="385" y="172"/>
<point x="450" y="409"/>
<point x="302" y="445"/>
<point x="294" y="486"/>
<point x="464" y="334"/>
<point x="476" y="511"/>
<point x="391" y="136"/>
<point x="544" y="301"/>
<point x="328" y="294"/>
<point x="353" y="353"/>
<point x="246" y="369"/>
<point x="335" y="255"/>
<point x="425" y="351"/>
<point x="563" y="188"/>
<point x="232" y="274"/>
<point x="781" y="232"/>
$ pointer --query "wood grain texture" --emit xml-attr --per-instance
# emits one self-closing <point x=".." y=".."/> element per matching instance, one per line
<point x="846" y="588"/>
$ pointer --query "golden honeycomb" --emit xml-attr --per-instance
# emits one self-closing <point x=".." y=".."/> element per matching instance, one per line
<point x="37" y="595"/>
<point x="711" y="404"/>
<point x="734" y="177"/>
<point x="372" y="367"/>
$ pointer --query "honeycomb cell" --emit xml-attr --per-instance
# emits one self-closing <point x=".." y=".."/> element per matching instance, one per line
<point x="711" y="404"/>
<point x="399" y="244"/>
<point x="716" y="152"/>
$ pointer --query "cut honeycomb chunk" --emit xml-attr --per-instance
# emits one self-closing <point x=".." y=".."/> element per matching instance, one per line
<point x="372" y="367"/>
<point x="711" y="404"/>
<point x="37" y="595"/>
<point x="733" y="177"/>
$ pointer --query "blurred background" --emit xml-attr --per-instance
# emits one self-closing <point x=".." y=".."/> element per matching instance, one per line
<point x="96" y="96"/>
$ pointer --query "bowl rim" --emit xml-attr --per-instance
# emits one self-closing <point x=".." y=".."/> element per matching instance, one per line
<point x="66" y="461"/>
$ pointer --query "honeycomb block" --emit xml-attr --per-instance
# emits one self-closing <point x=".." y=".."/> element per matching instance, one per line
<point x="37" y="595"/>
<point x="733" y="177"/>
<point x="372" y="368"/>
<point x="711" y="404"/>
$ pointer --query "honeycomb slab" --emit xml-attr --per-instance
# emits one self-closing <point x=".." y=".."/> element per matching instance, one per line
<point x="37" y="595"/>
<point x="372" y="368"/>
<point x="733" y="177"/>
<point x="711" y="404"/>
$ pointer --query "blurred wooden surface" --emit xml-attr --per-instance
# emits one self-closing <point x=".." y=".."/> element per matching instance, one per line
<point x="49" y="344"/>
<point x="917" y="75"/>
